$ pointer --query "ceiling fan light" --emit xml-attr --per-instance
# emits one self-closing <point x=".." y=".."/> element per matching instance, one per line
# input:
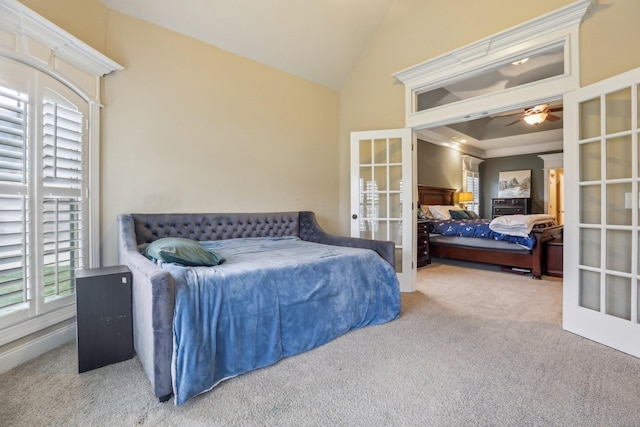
<point x="520" y="61"/>
<point x="535" y="119"/>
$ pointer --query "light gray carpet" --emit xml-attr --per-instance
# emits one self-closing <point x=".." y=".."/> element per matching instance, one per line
<point x="472" y="347"/>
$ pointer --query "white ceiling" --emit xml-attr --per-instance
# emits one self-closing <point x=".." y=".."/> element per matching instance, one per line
<point x="321" y="40"/>
<point x="318" y="40"/>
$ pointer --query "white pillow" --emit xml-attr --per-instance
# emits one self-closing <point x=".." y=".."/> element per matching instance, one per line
<point x="441" y="212"/>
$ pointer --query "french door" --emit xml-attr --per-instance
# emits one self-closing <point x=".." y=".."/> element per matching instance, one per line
<point x="382" y="194"/>
<point x="602" y="178"/>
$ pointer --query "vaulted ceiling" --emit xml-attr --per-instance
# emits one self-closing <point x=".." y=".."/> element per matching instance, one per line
<point x="321" y="40"/>
<point x="318" y="40"/>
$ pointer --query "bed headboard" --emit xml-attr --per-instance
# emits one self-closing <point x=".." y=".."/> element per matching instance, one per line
<point x="435" y="195"/>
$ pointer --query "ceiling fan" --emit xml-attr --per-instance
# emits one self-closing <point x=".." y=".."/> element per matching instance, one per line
<point x="536" y="115"/>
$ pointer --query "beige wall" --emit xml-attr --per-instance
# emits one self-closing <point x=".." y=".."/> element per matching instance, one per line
<point x="184" y="115"/>
<point x="191" y="128"/>
<point x="415" y="31"/>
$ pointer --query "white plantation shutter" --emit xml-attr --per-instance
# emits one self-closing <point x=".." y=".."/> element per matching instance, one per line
<point x="49" y="159"/>
<point x="42" y="207"/>
<point x="14" y="254"/>
<point x="472" y="185"/>
<point x="62" y="146"/>
<point x="62" y="205"/>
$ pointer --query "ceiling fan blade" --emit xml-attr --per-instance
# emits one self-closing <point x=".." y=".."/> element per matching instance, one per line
<point x="507" y="115"/>
<point x="552" y="118"/>
<point x="553" y="110"/>
<point x="513" y="123"/>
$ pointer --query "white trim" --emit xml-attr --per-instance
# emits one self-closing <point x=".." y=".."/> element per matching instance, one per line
<point x="43" y="46"/>
<point x="525" y="149"/>
<point x="449" y="63"/>
<point x="558" y="28"/>
<point x="22" y="21"/>
<point x="34" y="324"/>
<point x="92" y="195"/>
<point x="36" y="347"/>
<point x="551" y="161"/>
<point x="406" y="277"/>
<point x="597" y="325"/>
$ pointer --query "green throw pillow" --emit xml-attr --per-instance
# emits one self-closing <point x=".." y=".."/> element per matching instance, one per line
<point x="456" y="214"/>
<point x="182" y="251"/>
<point x="472" y="214"/>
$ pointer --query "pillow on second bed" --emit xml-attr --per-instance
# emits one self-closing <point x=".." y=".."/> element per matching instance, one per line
<point x="182" y="251"/>
<point x="441" y="212"/>
<point x="463" y="214"/>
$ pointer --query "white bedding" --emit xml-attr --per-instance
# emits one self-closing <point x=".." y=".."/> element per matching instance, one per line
<point x="518" y="225"/>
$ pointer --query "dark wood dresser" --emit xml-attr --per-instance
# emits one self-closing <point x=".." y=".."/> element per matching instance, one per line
<point x="423" y="243"/>
<point x="501" y="207"/>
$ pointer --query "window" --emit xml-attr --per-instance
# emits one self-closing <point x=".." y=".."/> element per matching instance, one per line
<point x="471" y="180"/>
<point x="472" y="185"/>
<point x="42" y="184"/>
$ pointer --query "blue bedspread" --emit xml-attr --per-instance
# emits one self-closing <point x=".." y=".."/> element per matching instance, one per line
<point x="272" y="298"/>
<point x="477" y="228"/>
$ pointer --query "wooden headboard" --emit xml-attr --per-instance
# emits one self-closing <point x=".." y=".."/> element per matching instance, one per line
<point x="435" y="195"/>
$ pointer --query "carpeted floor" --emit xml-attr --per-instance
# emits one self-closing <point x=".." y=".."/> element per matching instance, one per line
<point x="472" y="348"/>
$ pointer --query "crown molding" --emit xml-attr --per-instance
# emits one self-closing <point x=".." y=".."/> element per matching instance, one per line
<point x="25" y="24"/>
<point x="564" y="17"/>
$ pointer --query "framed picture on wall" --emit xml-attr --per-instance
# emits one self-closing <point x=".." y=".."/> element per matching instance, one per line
<point x="514" y="184"/>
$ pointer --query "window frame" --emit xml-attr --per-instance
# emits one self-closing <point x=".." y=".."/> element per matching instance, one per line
<point x="471" y="169"/>
<point x="46" y="48"/>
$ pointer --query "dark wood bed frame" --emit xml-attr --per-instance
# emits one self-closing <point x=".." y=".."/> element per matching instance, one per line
<point x="534" y="260"/>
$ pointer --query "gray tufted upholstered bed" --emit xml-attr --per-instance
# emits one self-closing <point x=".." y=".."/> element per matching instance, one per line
<point x="154" y="287"/>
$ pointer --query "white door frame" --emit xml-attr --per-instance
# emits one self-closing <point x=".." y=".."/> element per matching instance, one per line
<point x="405" y="239"/>
<point x="596" y="324"/>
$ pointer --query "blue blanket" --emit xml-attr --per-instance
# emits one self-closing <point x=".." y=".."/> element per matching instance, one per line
<point x="273" y="297"/>
<point x="478" y="228"/>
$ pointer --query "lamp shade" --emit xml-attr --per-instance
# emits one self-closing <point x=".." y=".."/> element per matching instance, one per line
<point x="465" y="196"/>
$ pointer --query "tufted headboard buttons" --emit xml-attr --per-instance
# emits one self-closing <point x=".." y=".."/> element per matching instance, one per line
<point x="150" y="227"/>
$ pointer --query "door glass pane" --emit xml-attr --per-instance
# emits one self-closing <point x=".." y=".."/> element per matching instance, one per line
<point x="380" y="151"/>
<point x="383" y="204"/>
<point x="395" y="232"/>
<point x="395" y="178"/>
<point x="365" y="152"/>
<point x="618" y="250"/>
<point x="590" y="204"/>
<point x="590" y="159"/>
<point x="382" y="232"/>
<point x="618" y="295"/>
<point x="380" y="175"/>
<point x="395" y="150"/>
<point x="618" y="106"/>
<point x="619" y="159"/>
<point x="590" y="119"/>
<point x="590" y="247"/>
<point x="395" y="206"/>
<point x="589" y="292"/>
<point x="617" y="214"/>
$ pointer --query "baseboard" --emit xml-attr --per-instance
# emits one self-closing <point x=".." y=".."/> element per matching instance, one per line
<point x="34" y="348"/>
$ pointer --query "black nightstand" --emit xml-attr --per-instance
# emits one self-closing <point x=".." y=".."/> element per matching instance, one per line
<point x="423" y="244"/>
<point x="104" y="323"/>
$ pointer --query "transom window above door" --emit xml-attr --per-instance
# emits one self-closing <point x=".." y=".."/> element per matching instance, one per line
<point x="521" y="67"/>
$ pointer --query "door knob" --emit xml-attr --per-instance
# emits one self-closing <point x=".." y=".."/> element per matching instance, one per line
<point x="354" y="216"/>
